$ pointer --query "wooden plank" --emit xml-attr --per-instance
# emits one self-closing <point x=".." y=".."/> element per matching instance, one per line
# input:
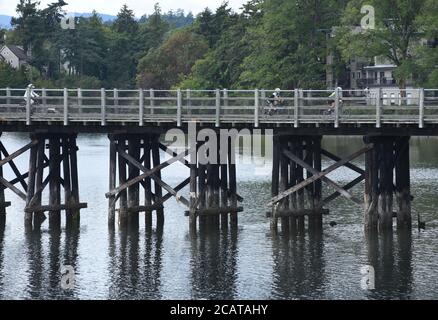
<point x="296" y="108"/>
<point x="346" y="187"/>
<point x="28" y="107"/>
<point x="14" y="189"/>
<point x="379" y="108"/>
<point x="162" y="184"/>
<point x="179" y="108"/>
<point x="65" y="107"/>
<point x="323" y="178"/>
<point x="218" y="108"/>
<point x="421" y="107"/>
<point x="256" y="108"/>
<point x="320" y="175"/>
<point x="14" y="168"/>
<point x="57" y="207"/>
<point x="18" y="153"/>
<point x="103" y="106"/>
<point x="348" y="165"/>
<point x="141" y="107"/>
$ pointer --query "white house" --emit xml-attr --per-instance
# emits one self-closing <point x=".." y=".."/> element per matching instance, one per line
<point x="14" y="55"/>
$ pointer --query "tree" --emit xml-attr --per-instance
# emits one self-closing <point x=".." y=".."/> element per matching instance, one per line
<point x="165" y="66"/>
<point x="125" y="22"/>
<point x="288" y="44"/>
<point x="396" y="36"/>
<point x="9" y="77"/>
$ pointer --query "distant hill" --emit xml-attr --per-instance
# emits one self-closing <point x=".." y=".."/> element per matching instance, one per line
<point x="5" y="21"/>
<point x="105" y="17"/>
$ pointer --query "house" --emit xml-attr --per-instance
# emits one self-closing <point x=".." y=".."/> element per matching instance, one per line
<point x="14" y="55"/>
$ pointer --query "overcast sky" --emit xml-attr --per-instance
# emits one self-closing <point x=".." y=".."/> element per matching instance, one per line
<point x="140" y="7"/>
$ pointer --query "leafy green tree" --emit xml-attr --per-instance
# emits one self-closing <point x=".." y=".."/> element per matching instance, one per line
<point x="9" y="77"/>
<point x="165" y="66"/>
<point x="396" y="36"/>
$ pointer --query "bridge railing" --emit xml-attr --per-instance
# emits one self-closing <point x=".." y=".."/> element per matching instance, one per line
<point x="373" y="106"/>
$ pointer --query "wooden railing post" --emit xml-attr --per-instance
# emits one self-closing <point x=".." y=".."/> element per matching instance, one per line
<point x="379" y="108"/>
<point x="8" y="96"/>
<point x="256" y="108"/>
<point x="44" y="97"/>
<point x="65" y="107"/>
<point x="189" y="101"/>
<point x="152" y="102"/>
<point x="421" y="108"/>
<point x="296" y="108"/>
<point x="28" y="107"/>
<point x="225" y="97"/>
<point x="141" y="106"/>
<point x="337" y="108"/>
<point x="218" y="108"/>
<point x="179" y="108"/>
<point x="79" y="100"/>
<point x="103" y="106"/>
<point x="116" y="101"/>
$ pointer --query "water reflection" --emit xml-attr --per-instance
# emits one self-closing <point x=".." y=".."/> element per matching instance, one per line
<point x="391" y="257"/>
<point x="214" y="265"/>
<point x="46" y="254"/>
<point x="135" y="271"/>
<point x="299" y="266"/>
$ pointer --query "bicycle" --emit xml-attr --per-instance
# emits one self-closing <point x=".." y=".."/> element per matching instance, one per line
<point x="270" y="109"/>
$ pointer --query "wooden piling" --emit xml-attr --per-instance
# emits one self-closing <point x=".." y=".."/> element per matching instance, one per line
<point x="39" y="215"/>
<point x="283" y="183"/>
<point x="158" y="189"/>
<point x="65" y="147"/>
<point x="224" y="195"/>
<point x="54" y="184"/>
<point x="31" y="182"/>
<point x="292" y="182"/>
<point x="403" y="183"/>
<point x="148" y="183"/>
<point x="300" y="193"/>
<point x="133" y="172"/>
<point x="193" y="192"/>
<point x="75" y="211"/>
<point x="317" y="196"/>
<point x="232" y="176"/>
<point x="123" y="199"/>
<point x="310" y="189"/>
<point x="202" y="194"/>
<point x="112" y="181"/>
<point x="275" y="181"/>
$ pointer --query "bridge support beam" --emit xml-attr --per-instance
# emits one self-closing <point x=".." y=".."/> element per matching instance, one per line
<point x="387" y="184"/>
<point x="214" y="198"/>
<point x="293" y="159"/>
<point x="62" y="155"/>
<point x="135" y="159"/>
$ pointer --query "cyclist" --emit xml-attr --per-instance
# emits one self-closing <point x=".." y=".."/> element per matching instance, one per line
<point x="33" y="94"/>
<point x="332" y="100"/>
<point x="273" y="102"/>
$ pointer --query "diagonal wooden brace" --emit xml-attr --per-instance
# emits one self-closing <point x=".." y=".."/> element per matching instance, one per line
<point x="308" y="167"/>
<point x="320" y="175"/>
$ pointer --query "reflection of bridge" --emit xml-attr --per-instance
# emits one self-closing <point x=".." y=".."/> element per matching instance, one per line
<point x="134" y="120"/>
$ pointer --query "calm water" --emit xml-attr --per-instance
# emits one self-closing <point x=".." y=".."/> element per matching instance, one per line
<point x="250" y="264"/>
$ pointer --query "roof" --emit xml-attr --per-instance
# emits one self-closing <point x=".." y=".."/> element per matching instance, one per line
<point x="382" y="66"/>
<point x="18" y="52"/>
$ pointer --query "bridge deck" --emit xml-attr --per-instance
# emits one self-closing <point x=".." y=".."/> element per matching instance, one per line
<point x="416" y="110"/>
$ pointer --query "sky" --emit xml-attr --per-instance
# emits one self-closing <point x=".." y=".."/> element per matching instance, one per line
<point x="140" y="7"/>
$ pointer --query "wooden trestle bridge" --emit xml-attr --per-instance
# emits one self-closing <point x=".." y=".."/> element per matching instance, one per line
<point x="135" y="119"/>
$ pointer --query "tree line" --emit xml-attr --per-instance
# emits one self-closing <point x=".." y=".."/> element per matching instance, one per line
<point x="267" y="44"/>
